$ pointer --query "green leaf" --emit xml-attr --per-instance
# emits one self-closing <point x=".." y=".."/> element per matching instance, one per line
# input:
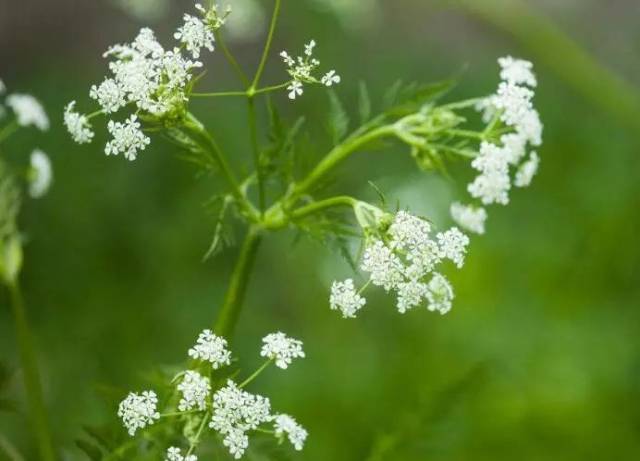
<point x="364" y="103"/>
<point x="405" y="99"/>
<point x="338" y="118"/>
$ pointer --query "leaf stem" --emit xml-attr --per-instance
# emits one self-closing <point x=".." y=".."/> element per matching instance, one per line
<point x="231" y="59"/>
<point x="31" y="375"/>
<point x="230" y="311"/>
<point x="267" y="47"/>
<point x="322" y="205"/>
<point x="255" y="373"/>
<point x="253" y="130"/>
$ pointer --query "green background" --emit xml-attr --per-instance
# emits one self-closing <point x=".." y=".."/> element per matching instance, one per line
<point x="540" y="357"/>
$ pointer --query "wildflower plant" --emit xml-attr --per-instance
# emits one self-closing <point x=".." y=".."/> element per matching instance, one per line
<point x="147" y="95"/>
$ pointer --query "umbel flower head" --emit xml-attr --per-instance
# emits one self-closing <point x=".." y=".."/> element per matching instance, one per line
<point x="401" y="258"/>
<point x="175" y="454"/>
<point x="302" y="68"/>
<point x="138" y="410"/>
<point x="40" y="174"/>
<point x="286" y="425"/>
<point x="195" y="390"/>
<point x="212" y="349"/>
<point x="282" y="349"/>
<point x="28" y="111"/>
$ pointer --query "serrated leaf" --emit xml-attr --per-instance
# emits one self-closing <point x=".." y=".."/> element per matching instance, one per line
<point x="411" y="97"/>
<point x="391" y="96"/>
<point x="338" y="118"/>
<point x="383" y="199"/>
<point x="364" y="103"/>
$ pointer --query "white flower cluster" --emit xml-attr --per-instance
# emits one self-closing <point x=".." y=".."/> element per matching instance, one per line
<point x="175" y="454"/>
<point x="235" y="412"/>
<point x="301" y="70"/>
<point x="402" y="259"/>
<point x="195" y="389"/>
<point x="138" y="410"/>
<point x="41" y="174"/>
<point x="285" y="424"/>
<point x="28" y="110"/>
<point x="282" y="349"/>
<point x="211" y="348"/>
<point x="512" y="105"/>
<point x="146" y="76"/>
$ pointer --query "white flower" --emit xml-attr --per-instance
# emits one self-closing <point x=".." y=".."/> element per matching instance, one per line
<point x="514" y="145"/>
<point x="175" y="454"/>
<point x="491" y="158"/>
<point x="110" y="95"/>
<point x="78" y="125"/>
<point x="234" y="413"/>
<point x="491" y="187"/>
<point x="28" y="111"/>
<point x="423" y="258"/>
<point x="469" y="217"/>
<point x="138" y="410"/>
<point x="195" y="389"/>
<point x="211" y="348"/>
<point x="308" y="48"/>
<point x="514" y="101"/>
<point x="295" y="90"/>
<point x="383" y="265"/>
<point x="345" y="298"/>
<point x="411" y="294"/>
<point x="530" y="127"/>
<point x="517" y="71"/>
<point x="408" y="232"/>
<point x="128" y="139"/>
<point x="195" y="35"/>
<point x="285" y="424"/>
<point x="453" y="245"/>
<point x="440" y="294"/>
<point x="330" y="78"/>
<point x="527" y="171"/>
<point x="237" y="442"/>
<point x="41" y="174"/>
<point x="282" y="349"/>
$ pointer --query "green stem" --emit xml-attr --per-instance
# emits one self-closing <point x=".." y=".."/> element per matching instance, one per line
<point x="336" y="156"/>
<point x="466" y="134"/>
<point x="253" y="130"/>
<point x="230" y="311"/>
<point x="9" y="130"/>
<point x="196" y="441"/>
<point x="231" y="59"/>
<point x="31" y="375"/>
<point x="322" y="205"/>
<point x="255" y="373"/>
<point x="220" y="94"/>
<point x="462" y="104"/>
<point x="267" y="47"/>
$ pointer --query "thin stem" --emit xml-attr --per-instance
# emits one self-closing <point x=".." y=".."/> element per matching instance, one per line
<point x="466" y="134"/>
<point x="179" y="413"/>
<point x="31" y="375"/>
<point x="322" y="205"/>
<point x="198" y="434"/>
<point x="365" y="286"/>
<point x="265" y="431"/>
<point x="463" y="104"/>
<point x="253" y="130"/>
<point x="230" y="311"/>
<point x="220" y="94"/>
<point x="255" y="373"/>
<point x="269" y="89"/>
<point x="336" y="156"/>
<point x="267" y="47"/>
<point x="9" y="130"/>
<point x="231" y="59"/>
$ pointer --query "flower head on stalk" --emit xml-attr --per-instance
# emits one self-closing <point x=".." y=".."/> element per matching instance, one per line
<point x="302" y="70"/>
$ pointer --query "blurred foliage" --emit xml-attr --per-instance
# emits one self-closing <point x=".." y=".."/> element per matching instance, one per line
<point x="540" y="358"/>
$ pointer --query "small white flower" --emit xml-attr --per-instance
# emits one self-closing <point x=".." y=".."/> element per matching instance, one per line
<point x="440" y="294"/>
<point x="78" y="125"/>
<point x="492" y="187"/>
<point x="491" y="159"/>
<point x="285" y="424"/>
<point x="195" y="35"/>
<point x="345" y="298"/>
<point x="41" y="174"/>
<point x="282" y="349"/>
<point x="469" y="217"/>
<point x="109" y="94"/>
<point x="383" y="265"/>
<point x="527" y="171"/>
<point x="175" y="454"/>
<point x="514" y="145"/>
<point x="138" y="410"/>
<point x="453" y="245"/>
<point x="295" y="90"/>
<point x="410" y="295"/>
<point x="408" y="232"/>
<point x="330" y="78"/>
<point x="195" y="389"/>
<point x="423" y="258"/>
<point x="530" y="127"/>
<point x="517" y="71"/>
<point x="308" y="48"/>
<point x="234" y="413"/>
<point x="514" y="101"/>
<point x="28" y="111"/>
<point x="211" y="348"/>
<point x="128" y="139"/>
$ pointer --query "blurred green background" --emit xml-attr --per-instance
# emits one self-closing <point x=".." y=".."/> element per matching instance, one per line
<point x="540" y="357"/>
